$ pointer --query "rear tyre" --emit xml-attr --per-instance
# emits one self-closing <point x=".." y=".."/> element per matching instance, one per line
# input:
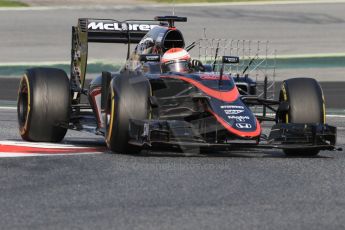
<point x="127" y="99"/>
<point x="43" y="105"/>
<point x="306" y="105"/>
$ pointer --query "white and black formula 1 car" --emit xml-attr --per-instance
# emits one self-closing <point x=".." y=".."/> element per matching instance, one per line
<point x="146" y="105"/>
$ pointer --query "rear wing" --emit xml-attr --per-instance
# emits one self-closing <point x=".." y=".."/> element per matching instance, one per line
<point x="101" y="31"/>
<point x="112" y="31"/>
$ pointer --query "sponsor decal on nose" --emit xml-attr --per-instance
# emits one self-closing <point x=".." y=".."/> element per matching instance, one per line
<point x="239" y="118"/>
<point x="233" y="111"/>
<point x="243" y="125"/>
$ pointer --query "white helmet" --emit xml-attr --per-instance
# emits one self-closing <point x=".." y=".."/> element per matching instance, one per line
<point x="176" y="60"/>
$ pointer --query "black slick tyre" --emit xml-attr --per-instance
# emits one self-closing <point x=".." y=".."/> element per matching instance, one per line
<point x="306" y="105"/>
<point x="127" y="99"/>
<point x="43" y="105"/>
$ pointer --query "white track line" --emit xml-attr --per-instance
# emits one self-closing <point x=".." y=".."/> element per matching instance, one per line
<point x="48" y="63"/>
<point x="8" y="108"/>
<point x="335" y="115"/>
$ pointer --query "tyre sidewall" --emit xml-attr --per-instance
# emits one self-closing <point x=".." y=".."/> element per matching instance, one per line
<point x="306" y="105"/>
<point x="129" y="100"/>
<point x="49" y="105"/>
<point x="306" y="101"/>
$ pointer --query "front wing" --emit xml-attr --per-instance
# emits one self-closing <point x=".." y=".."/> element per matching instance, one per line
<point x="161" y="134"/>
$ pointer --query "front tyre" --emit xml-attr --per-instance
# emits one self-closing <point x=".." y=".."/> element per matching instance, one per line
<point x="306" y="105"/>
<point x="127" y="99"/>
<point x="43" y="105"/>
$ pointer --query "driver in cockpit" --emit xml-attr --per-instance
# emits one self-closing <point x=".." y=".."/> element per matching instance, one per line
<point x="179" y="60"/>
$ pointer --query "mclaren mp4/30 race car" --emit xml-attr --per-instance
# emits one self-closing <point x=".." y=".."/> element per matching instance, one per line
<point x="147" y="105"/>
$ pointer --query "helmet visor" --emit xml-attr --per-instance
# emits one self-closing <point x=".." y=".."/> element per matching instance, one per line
<point x="181" y="66"/>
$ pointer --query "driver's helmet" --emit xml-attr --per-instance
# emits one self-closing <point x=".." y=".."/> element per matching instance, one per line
<point x="176" y="60"/>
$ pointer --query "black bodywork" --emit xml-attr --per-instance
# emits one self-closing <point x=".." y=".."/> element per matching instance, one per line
<point x="208" y="109"/>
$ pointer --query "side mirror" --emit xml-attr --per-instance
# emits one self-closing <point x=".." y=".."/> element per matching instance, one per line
<point x="150" y="58"/>
<point x="230" y="60"/>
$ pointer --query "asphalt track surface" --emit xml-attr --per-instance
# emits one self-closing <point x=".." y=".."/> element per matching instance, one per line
<point x="233" y="190"/>
<point x="45" y="35"/>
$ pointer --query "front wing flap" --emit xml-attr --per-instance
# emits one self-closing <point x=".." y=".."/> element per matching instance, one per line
<point x="294" y="136"/>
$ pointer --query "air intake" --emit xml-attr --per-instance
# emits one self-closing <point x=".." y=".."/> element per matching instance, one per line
<point x="173" y="39"/>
